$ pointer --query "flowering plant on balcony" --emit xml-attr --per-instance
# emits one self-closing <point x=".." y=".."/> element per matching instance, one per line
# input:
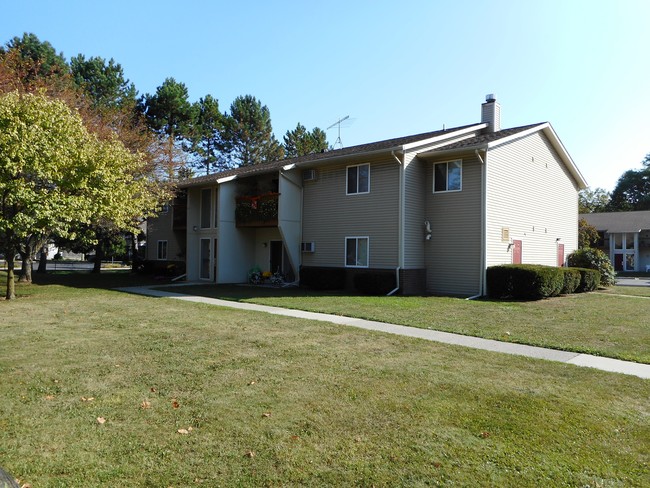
<point x="262" y="208"/>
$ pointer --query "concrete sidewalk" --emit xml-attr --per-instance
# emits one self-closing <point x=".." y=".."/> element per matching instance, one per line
<point x="586" y="360"/>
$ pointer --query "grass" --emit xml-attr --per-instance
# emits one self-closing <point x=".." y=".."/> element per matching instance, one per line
<point x="600" y="324"/>
<point x="275" y="401"/>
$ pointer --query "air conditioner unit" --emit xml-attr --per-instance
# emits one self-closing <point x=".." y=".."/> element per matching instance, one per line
<point x="309" y="175"/>
<point x="307" y="247"/>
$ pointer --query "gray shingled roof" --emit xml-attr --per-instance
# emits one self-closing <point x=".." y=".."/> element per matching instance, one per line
<point x="619" y="221"/>
<point x="354" y="151"/>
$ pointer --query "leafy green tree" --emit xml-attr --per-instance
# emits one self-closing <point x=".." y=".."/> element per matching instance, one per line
<point x="587" y="234"/>
<point x="56" y="175"/>
<point x="37" y="59"/>
<point x="205" y="134"/>
<point x="300" y="141"/>
<point x="248" y="134"/>
<point x="593" y="201"/>
<point x="632" y="191"/>
<point x="103" y="81"/>
<point x="169" y="113"/>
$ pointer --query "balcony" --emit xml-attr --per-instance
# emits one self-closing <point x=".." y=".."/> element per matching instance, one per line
<point x="257" y="211"/>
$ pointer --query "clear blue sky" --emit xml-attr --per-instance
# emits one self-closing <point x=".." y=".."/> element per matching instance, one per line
<point x="397" y="68"/>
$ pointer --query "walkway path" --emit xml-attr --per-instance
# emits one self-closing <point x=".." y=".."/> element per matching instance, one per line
<point x="587" y="360"/>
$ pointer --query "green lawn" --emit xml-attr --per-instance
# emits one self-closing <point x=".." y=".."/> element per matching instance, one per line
<point x="593" y="323"/>
<point x="273" y="401"/>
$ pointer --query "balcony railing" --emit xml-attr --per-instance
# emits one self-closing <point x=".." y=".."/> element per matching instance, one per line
<point x="257" y="211"/>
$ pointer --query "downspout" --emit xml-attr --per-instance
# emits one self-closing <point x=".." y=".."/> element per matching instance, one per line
<point x="483" y="258"/>
<point x="400" y="225"/>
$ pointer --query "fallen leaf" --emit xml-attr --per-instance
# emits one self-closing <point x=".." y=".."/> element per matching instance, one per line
<point x="485" y="435"/>
<point x="101" y="420"/>
<point x="357" y="439"/>
<point x="249" y="454"/>
<point x="190" y="429"/>
<point x="437" y="465"/>
<point x="26" y="485"/>
<point x="266" y="414"/>
<point x="89" y="399"/>
<point x="49" y="397"/>
<point x="153" y="390"/>
<point x="252" y="382"/>
<point x="294" y="437"/>
<point x="145" y="404"/>
<point x="183" y="431"/>
<point x="175" y="404"/>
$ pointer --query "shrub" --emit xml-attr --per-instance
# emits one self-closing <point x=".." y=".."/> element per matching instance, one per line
<point x="374" y="282"/>
<point x="323" y="278"/>
<point x="572" y="278"/>
<point x="589" y="279"/>
<point x="526" y="281"/>
<point x="594" y="259"/>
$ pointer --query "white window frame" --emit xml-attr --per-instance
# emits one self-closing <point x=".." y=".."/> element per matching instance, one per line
<point x="356" y="192"/>
<point x="201" y="209"/>
<point x="447" y="190"/>
<point x="356" y="248"/>
<point x="158" y="249"/>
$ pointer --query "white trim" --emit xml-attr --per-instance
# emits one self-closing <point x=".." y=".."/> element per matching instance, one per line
<point x="345" y="251"/>
<point x="460" y="162"/>
<point x="289" y="166"/>
<point x="347" y="168"/>
<point x="164" y="258"/>
<point x="226" y="179"/>
<point x="442" y="137"/>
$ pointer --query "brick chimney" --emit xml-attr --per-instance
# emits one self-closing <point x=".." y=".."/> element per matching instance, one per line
<point x="491" y="113"/>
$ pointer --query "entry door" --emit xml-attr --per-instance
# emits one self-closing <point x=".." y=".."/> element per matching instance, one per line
<point x="204" y="260"/>
<point x="275" y="259"/>
<point x="516" y="252"/>
<point x="560" y="255"/>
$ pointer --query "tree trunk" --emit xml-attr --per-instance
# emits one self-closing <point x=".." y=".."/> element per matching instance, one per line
<point x="99" y="256"/>
<point x="25" y="275"/>
<point x="11" y="286"/>
<point x="42" y="261"/>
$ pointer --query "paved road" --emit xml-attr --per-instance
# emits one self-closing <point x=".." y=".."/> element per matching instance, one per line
<point x="633" y="281"/>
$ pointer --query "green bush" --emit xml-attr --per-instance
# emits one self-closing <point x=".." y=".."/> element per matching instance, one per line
<point x="322" y="278"/>
<point x="594" y="259"/>
<point x="572" y="278"/>
<point x="374" y="282"/>
<point x="589" y="279"/>
<point x="524" y="281"/>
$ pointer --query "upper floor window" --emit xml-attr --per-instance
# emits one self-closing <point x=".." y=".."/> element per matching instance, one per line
<point x="206" y="206"/>
<point x="448" y="176"/>
<point x="358" y="180"/>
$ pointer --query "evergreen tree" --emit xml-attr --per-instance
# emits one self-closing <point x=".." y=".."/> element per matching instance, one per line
<point x="103" y="82"/>
<point x="205" y="135"/>
<point x="300" y="141"/>
<point x="248" y="135"/>
<point x="632" y="191"/>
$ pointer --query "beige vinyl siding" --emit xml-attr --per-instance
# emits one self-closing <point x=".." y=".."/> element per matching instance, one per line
<point x="329" y="215"/>
<point x="531" y="193"/>
<point x="453" y="255"/>
<point x="415" y="194"/>
<point x="160" y="229"/>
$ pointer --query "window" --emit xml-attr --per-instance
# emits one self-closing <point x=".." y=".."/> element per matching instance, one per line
<point x="216" y="207"/>
<point x="206" y="204"/>
<point x="356" y="252"/>
<point x="447" y="176"/>
<point x="358" y="179"/>
<point x="162" y="250"/>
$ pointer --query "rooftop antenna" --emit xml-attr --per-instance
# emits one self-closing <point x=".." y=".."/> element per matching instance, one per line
<point x="338" y="139"/>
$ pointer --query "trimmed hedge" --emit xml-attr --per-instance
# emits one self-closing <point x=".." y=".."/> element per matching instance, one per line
<point x="374" y="282"/>
<point x="524" y="281"/>
<point x="589" y="279"/>
<point x="594" y="259"/>
<point x="323" y="278"/>
<point x="572" y="278"/>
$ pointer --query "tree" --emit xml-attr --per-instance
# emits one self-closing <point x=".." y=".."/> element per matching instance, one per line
<point x="632" y="191"/>
<point x="248" y="134"/>
<point x="169" y="113"/>
<point x="593" y="201"/>
<point x="205" y="134"/>
<point x="300" y="141"/>
<point x="35" y="58"/>
<point x="587" y="234"/>
<point x="55" y="175"/>
<point x="103" y="82"/>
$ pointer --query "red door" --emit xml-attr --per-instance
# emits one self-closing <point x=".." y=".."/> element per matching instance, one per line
<point x="560" y="255"/>
<point x="516" y="252"/>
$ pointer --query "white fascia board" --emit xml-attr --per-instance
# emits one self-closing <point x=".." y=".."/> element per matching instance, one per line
<point x="289" y="167"/>
<point x="220" y="181"/>
<point x="458" y="150"/>
<point x="444" y="137"/>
